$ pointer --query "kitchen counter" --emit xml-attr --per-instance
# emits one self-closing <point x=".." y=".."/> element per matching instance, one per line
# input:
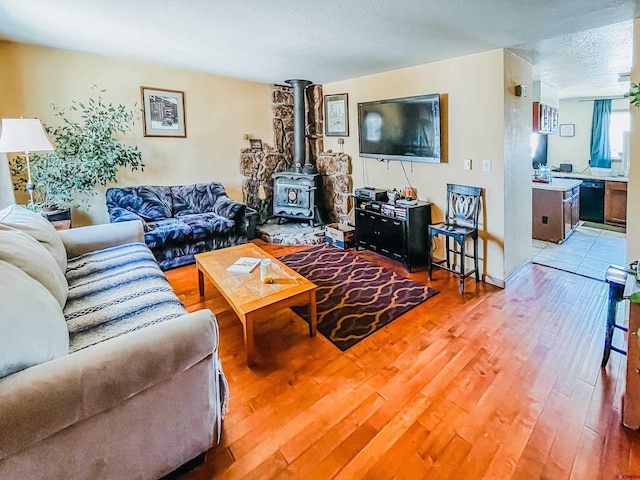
<point x="556" y="209"/>
<point x="589" y="176"/>
<point x="557" y="184"/>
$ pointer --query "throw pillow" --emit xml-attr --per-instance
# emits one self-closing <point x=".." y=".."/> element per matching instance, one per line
<point x="39" y="228"/>
<point x="32" y="326"/>
<point x="25" y="252"/>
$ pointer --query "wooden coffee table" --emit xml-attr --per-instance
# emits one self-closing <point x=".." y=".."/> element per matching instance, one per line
<point x="251" y="299"/>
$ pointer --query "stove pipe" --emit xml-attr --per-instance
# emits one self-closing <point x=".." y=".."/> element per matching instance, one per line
<point x="299" y="140"/>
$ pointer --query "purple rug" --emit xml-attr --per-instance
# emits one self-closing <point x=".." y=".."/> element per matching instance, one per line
<point x="355" y="297"/>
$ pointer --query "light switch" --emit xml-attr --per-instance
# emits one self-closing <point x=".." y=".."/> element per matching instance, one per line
<point x="467" y="164"/>
<point x="486" y="165"/>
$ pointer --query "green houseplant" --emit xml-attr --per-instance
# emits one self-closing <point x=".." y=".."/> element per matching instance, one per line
<point x="634" y="95"/>
<point x="87" y="153"/>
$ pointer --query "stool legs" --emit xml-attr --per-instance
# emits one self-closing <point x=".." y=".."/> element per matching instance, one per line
<point x="475" y="258"/>
<point x="459" y="268"/>
<point x="615" y="295"/>
<point x="462" y="262"/>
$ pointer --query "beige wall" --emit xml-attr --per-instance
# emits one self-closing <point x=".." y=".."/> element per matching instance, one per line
<point x="576" y="150"/>
<point x="472" y="92"/>
<point x="517" y="164"/>
<point x="218" y="112"/>
<point x="633" y="193"/>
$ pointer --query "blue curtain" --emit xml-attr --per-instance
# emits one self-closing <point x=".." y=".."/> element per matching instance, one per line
<point x="600" y="147"/>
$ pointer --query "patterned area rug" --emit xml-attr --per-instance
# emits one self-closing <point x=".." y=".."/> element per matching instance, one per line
<point x="355" y="297"/>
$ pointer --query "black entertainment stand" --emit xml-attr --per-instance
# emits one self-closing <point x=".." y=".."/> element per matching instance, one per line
<point x="397" y="231"/>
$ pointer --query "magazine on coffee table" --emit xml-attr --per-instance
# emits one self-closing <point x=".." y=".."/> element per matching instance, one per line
<point x="244" y="265"/>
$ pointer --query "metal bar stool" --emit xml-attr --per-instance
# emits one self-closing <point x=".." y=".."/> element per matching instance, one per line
<point x="616" y="277"/>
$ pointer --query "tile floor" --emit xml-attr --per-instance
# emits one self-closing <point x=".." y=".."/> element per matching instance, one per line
<point x="588" y="251"/>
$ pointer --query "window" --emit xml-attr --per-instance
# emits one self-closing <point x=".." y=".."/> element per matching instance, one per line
<point x="620" y="121"/>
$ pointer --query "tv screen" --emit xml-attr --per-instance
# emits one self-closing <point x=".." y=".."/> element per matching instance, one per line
<point x="401" y="129"/>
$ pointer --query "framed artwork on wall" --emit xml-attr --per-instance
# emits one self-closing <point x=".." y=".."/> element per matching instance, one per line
<point x="336" y="115"/>
<point x="163" y="112"/>
<point x="256" y="143"/>
<point x="567" y="130"/>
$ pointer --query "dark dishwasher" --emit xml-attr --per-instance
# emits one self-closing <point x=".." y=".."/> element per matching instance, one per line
<point x="592" y="201"/>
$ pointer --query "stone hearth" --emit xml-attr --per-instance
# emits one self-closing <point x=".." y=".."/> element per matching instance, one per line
<point x="292" y="233"/>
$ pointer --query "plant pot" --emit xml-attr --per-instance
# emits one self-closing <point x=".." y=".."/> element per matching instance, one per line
<point x="57" y="215"/>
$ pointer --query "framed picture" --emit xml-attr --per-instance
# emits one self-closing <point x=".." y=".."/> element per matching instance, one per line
<point x="567" y="130"/>
<point x="256" y="143"/>
<point x="163" y="112"/>
<point x="336" y="115"/>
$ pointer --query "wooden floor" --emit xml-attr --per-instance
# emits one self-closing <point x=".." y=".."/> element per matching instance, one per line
<point x="496" y="384"/>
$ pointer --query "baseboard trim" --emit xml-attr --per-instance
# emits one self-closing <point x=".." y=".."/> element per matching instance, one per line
<point x="496" y="282"/>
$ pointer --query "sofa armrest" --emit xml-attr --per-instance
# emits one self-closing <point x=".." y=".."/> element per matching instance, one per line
<point x="228" y="208"/>
<point x="233" y="210"/>
<point x="42" y="400"/>
<point x="118" y="214"/>
<point x="79" y="241"/>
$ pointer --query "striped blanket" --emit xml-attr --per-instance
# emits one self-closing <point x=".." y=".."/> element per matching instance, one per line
<point x="115" y="291"/>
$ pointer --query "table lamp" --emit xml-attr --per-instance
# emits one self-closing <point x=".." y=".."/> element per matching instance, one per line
<point x="24" y="135"/>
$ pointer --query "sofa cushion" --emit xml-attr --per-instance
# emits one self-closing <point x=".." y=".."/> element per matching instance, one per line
<point x="32" y="327"/>
<point x="115" y="291"/>
<point x="149" y="202"/>
<point x="197" y="198"/>
<point x="39" y="228"/>
<point x="26" y="253"/>
<point x="166" y="232"/>
<point x="204" y="224"/>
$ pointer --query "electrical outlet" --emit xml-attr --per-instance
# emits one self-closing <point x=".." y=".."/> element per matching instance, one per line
<point x="467" y="164"/>
<point x="486" y="165"/>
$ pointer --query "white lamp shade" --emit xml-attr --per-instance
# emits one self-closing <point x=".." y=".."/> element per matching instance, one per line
<point x="23" y="135"/>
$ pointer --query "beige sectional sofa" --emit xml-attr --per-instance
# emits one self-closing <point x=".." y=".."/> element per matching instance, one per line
<point x="104" y="374"/>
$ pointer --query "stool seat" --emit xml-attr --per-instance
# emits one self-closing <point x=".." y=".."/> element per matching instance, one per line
<point x="616" y="277"/>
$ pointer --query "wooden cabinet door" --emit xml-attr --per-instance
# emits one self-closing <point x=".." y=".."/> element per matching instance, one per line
<point x="615" y="203"/>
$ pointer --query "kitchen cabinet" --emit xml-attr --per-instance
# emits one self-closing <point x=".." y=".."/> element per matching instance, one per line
<point x="556" y="210"/>
<point x="615" y="203"/>
<point x="545" y="118"/>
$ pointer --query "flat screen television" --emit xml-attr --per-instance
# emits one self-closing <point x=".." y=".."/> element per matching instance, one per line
<point x="401" y="129"/>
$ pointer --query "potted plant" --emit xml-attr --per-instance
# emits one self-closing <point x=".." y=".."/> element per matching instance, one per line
<point x="634" y="94"/>
<point x="87" y="153"/>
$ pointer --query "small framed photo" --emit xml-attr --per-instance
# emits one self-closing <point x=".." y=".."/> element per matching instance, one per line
<point x="163" y="112"/>
<point x="255" y="143"/>
<point x="567" y="130"/>
<point x="336" y="115"/>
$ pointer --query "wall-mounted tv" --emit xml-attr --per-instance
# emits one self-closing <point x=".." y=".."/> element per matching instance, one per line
<point x="401" y="129"/>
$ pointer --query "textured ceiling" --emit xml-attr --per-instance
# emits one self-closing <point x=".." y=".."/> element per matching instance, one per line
<point x="573" y="44"/>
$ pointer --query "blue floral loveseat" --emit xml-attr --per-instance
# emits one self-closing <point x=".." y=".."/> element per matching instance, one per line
<point x="180" y="221"/>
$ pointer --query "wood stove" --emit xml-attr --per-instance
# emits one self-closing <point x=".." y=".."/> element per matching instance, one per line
<point x="295" y="196"/>
<point x="295" y="192"/>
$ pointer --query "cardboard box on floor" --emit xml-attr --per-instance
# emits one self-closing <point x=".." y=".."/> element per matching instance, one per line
<point x="340" y="235"/>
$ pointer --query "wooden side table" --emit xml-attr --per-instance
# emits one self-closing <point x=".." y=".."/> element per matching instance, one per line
<point x="60" y="219"/>
<point x="61" y="224"/>
<point x="631" y="404"/>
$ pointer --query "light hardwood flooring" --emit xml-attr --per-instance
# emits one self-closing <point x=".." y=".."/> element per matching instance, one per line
<point x="495" y="384"/>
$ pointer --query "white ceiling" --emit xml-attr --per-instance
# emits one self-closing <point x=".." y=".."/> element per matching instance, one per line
<point x="576" y="46"/>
